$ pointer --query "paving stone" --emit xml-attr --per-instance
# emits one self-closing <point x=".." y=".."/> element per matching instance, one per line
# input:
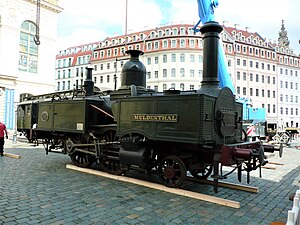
<point x="38" y="189"/>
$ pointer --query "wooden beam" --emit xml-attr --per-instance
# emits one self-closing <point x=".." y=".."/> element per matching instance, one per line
<point x="275" y="163"/>
<point x="11" y="155"/>
<point x="160" y="187"/>
<point x="227" y="185"/>
<point x="269" y="167"/>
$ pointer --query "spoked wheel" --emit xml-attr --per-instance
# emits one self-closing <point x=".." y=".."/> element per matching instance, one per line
<point x="202" y="173"/>
<point x="110" y="155"/>
<point x="172" y="171"/>
<point x="111" y="166"/>
<point x="82" y="159"/>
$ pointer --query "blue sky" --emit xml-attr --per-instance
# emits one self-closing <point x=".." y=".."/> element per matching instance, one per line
<point x="93" y="20"/>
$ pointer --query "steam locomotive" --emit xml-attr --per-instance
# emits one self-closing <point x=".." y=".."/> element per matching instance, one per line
<point x="169" y="133"/>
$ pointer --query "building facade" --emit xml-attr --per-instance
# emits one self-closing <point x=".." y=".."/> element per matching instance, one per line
<point x="261" y="71"/>
<point x="24" y="66"/>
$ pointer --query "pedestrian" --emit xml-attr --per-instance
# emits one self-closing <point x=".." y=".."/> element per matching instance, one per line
<point x="2" y="131"/>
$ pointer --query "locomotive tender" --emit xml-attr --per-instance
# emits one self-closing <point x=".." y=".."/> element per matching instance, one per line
<point x="169" y="133"/>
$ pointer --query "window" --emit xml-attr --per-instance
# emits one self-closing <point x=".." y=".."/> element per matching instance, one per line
<point x="192" y="73"/>
<point x="164" y="73"/>
<point x="192" y="43"/>
<point x="192" y="58"/>
<point x="164" y="87"/>
<point x="256" y="92"/>
<point x="251" y="63"/>
<point x="148" y="61"/>
<point x="182" y="43"/>
<point x="238" y="62"/>
<point x="182" y="87"/>
<point x="173" y="44"/>
<point x="244" y="76"/>
<point x="155" y="74"/>
<point x="244" y="91"/>
<point x="257" y="78"/>
<point x="182" y="72"/>
<point x="165" y="44"/>
<point x="156" y="59"/>
<point x="182" y="58"/>
<point x="262" y="78"/>
<point x="148" y="75"/>
<point x="108" y="79"/>
<point x="238" y="75"/>
<point x="192" y="87"/>
<point x="251" y="91"/>
<point x="28" y="58"/>
<point x="165" y="58"/>
<point x="251" y="77"/>
<point x="173" y="72"/>
<point x="262" y="93"/>
<point x="173" y="57"/>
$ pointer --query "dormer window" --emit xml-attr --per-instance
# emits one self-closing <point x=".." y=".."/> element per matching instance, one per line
<point x="152" y="34"/>
<point x="175" y="31"/>
<point x="168" y="32"/>
<point x="182" y="31"/>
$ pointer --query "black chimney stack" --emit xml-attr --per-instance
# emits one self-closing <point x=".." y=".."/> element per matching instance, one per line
<point x="133" y="71"/>
<point x="89" y="83"/>
<point x="210" y="82"/>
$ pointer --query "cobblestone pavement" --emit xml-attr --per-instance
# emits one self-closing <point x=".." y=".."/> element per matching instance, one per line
<point x="38" y="189"/>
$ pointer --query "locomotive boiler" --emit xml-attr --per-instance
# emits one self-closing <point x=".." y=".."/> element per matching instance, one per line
<point x="170" y="133"/>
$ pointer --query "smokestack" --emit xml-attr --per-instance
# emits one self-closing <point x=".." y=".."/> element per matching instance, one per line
<point x="210" y="31"/>
<point x="89" y="83"/>
<point x="133" y="71"/>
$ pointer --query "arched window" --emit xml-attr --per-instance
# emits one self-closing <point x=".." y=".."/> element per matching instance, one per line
<point x="182" y="87"/>
<point x="28" y="59"/>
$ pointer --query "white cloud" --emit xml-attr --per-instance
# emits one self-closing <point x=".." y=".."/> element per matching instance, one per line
<point x="94" y="20"/>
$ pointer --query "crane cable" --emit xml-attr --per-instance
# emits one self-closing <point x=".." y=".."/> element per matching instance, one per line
<point x="37" y="31"/>
<point x="126" y="15"/>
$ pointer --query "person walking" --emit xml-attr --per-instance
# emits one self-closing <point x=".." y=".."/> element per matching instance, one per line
<point x="2" y="131"/>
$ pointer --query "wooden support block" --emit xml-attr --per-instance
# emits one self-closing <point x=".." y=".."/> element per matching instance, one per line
<point x="12" y="155"/>
<point x="239" y="187"/>
<point x="160" y="187"/>
<point x="275" y="163"/>
<point x="269" y="167"/>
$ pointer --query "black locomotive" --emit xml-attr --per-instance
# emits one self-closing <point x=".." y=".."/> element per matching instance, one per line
<point x="169" y="133"/>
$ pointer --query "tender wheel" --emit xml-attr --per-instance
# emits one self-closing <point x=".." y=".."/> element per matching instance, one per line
<point x="82" y="159"/>
<point x="172" y="171"/>
<point x="202" y="173"/>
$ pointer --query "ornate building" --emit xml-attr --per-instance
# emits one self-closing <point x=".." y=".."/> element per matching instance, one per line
<point x="24" y="66"/>
<point x="262" y="71"/>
